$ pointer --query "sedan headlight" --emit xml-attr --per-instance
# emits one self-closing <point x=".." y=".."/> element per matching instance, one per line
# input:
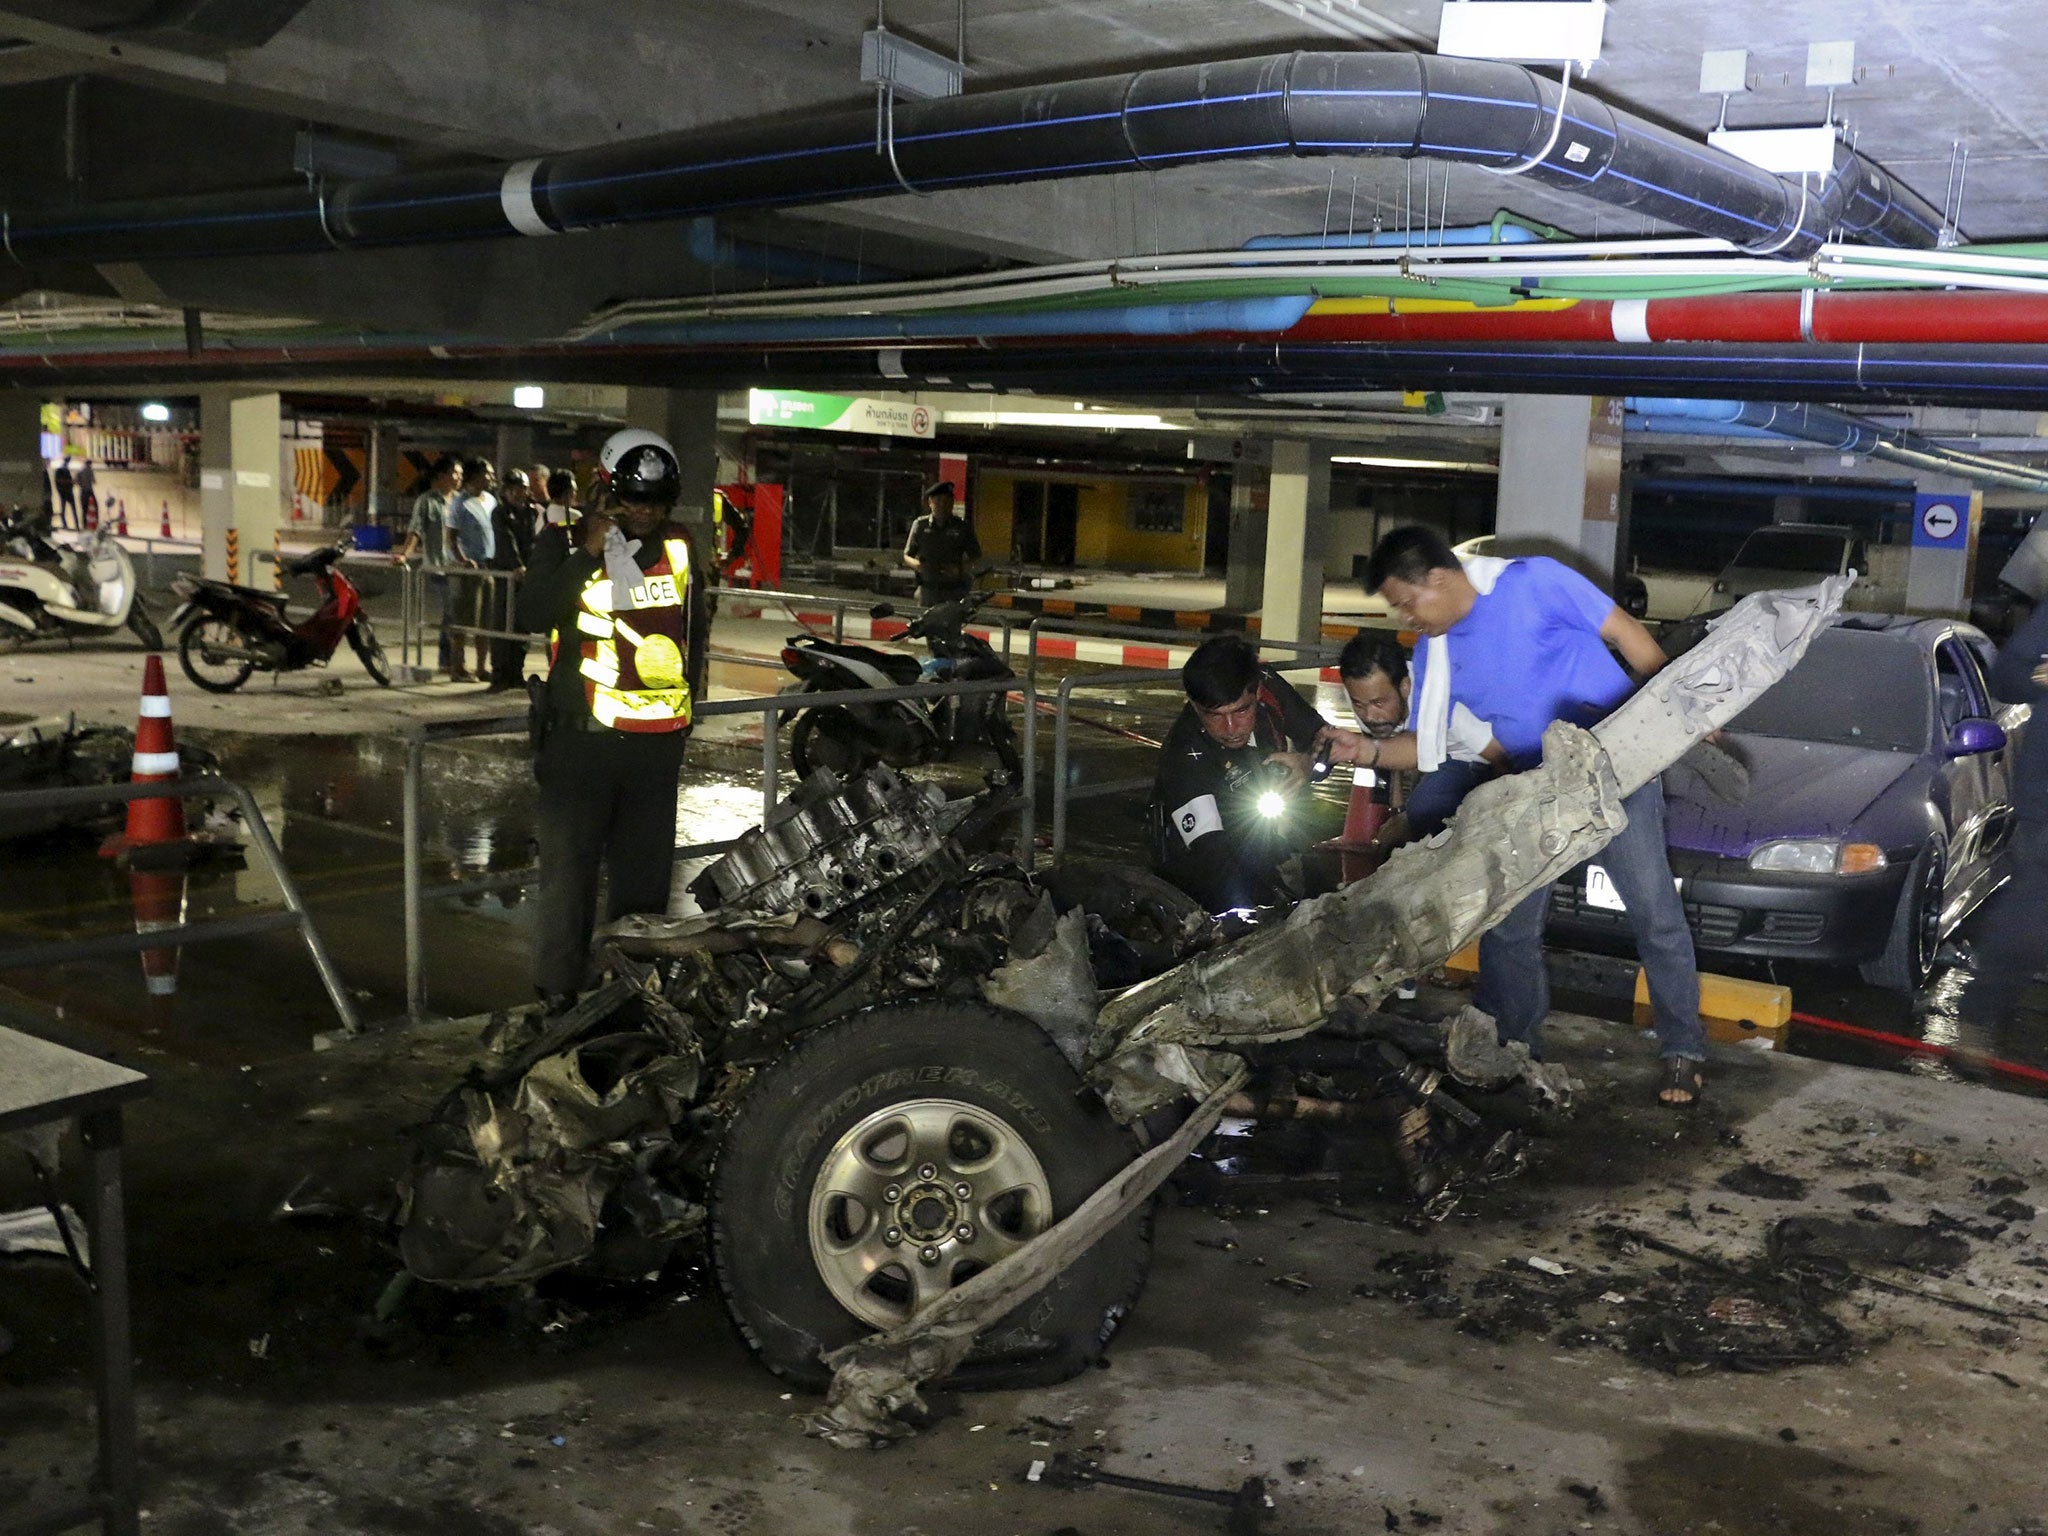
<point x="1818" y="856"/>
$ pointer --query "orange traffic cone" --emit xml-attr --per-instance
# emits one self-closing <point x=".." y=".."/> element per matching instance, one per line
<point x="155" y="821"/>
<point x="121" y="518"/>
<point x="159" y="900"/>
<point x="164" y="532"/>
<point x="1364" y="817"/>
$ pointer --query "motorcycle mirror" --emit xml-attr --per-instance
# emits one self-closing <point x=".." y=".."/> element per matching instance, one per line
<point x="882" y="611"/>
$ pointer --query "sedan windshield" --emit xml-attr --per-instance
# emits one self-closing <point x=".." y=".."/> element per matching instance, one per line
<point x="1852" y="687"/>
<point x="1776" y="549"/>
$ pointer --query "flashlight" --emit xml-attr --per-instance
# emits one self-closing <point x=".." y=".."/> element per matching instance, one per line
<point x="1271" y="803"/>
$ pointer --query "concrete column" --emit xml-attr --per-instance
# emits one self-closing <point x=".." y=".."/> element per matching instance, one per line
<point x="515" y="448"/>
<point x="1947" y="515"/>
<point x="1560" y="481"/>
<point x="1244" y="572"/>
<point x="24" y="477"/>
<point x="688" y="418"/>
<point x="1297" y="523"/>
<point x="240" y="458"/>
<point x="382" y="472"/>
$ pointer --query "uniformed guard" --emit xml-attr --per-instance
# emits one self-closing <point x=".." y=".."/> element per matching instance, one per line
<point x="621" y="596"/>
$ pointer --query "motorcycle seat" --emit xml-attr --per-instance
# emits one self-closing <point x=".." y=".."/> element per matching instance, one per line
<point x="901" y="669"/>
<point x="228" y="586"/>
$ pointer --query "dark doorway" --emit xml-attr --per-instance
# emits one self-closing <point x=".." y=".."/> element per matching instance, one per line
<point x="1216" y="531"/>
<point x="1062" y="521"/>
<point x="1027" y="523"/>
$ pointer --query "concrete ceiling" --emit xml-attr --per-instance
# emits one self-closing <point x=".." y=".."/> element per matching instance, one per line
<point x="441" y="82"/>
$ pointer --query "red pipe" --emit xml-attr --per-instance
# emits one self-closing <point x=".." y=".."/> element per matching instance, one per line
<point x="1914" y="1047"/>
<point x="1752" y="317"/>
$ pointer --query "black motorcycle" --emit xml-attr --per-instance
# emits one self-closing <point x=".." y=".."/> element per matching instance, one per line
<point x="849" y="739"/>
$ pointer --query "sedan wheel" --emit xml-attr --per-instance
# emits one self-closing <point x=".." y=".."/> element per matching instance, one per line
<point x="1908" y="958"/>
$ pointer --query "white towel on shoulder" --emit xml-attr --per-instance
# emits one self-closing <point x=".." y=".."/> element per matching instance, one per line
<point x="1433" y="732"/>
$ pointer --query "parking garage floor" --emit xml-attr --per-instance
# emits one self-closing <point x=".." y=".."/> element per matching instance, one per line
<point x="1298" y="1326"/>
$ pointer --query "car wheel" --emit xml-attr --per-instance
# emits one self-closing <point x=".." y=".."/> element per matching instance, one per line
<point x="1909" y="950"/>
<point x="888" y="1157"/>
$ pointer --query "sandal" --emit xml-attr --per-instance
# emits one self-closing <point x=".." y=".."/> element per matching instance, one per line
<point x="1681" y="1076"/>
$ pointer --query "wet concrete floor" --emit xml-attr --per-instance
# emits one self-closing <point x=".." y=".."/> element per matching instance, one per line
<point x="273" y="1402"/>
<point x="1274" y="1339"/>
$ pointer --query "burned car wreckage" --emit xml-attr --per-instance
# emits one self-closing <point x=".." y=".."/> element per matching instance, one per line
<point x="907" y="1090"/>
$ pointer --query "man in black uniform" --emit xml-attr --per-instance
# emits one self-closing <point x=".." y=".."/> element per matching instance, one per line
<point x="942" y="549"/>
<point x="2009" y="948"/>
<point x="1229" y="775"/>
<point x="621" y="597"/>
<point x="511" y="549"/>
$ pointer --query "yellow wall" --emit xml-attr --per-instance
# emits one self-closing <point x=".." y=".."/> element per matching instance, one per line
<point x="993" y="504"/>
<point x="1103" y="534"/>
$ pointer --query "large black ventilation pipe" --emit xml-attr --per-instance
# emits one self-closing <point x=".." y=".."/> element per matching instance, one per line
<point x="1496" y="115"/>
<point x="2011" y="377"/>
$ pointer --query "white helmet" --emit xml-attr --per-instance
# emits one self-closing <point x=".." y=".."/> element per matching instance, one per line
<point x="638" y="465"/>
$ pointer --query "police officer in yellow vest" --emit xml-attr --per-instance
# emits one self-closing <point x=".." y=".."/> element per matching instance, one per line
<point x="621" y="596"/>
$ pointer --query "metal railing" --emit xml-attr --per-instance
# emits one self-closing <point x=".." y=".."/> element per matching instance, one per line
<point x="770" y="707"/>
<point x="841" y="606"/>
<point x="1065" y="793"/>
<point x="1103" y="629"/>
<point x="241" y="926"/>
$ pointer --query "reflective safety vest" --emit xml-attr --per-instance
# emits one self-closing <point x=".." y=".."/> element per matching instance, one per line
<point x="635" y="662"/>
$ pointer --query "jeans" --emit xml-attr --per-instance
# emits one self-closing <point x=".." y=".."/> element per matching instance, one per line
<point x="1438" y="794"/>
<point x="1515" y="988"/>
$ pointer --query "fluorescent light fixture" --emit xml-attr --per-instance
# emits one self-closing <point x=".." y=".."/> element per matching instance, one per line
<point x="1469" y="466"/>
<point x="1830" y="64"/>
<point x="1724" y="71"/>
<point x="155" y="411"/>
<point x="1529" y="31"/>
<point x="1094" y="421"/>
<point x="1781" y="151"/>
<point x="529" y="397"/>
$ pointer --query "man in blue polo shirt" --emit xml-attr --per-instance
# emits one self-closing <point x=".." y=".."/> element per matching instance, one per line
<point x="1521" y="643"/>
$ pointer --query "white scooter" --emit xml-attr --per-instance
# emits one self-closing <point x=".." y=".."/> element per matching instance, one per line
<point x="47" y="590"/>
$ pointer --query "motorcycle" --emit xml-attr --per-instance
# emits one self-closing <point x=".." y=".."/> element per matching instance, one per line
<point x="229" y="632"/>
<point x="49" y="589"/>
<point x="849" y="739"/>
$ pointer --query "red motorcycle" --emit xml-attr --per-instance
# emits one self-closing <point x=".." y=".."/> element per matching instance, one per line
<point x="228" y="632"/>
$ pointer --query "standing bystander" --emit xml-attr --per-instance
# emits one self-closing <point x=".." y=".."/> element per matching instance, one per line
<point x="2009" y="950"/>
<point x="1523" y="643"/>
<point x="67" y="494"/>
<point x="511" y="547"/>
<point x="473" y="537"/>
<point x="426" y="535"/>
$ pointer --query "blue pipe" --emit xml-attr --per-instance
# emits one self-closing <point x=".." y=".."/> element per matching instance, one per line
<point x="1836" y="430"/>
<point x="1263" y="316"/>
<point x="1464" y="234"/>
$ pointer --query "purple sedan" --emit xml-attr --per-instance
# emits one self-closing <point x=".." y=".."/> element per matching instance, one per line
<point x="1876" y="805"/>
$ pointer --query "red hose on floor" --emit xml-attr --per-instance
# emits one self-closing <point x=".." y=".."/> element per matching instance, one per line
<point x="2011" y="1069"/>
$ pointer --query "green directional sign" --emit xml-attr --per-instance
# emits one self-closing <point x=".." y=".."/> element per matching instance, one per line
<point x="839" y="413"/>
